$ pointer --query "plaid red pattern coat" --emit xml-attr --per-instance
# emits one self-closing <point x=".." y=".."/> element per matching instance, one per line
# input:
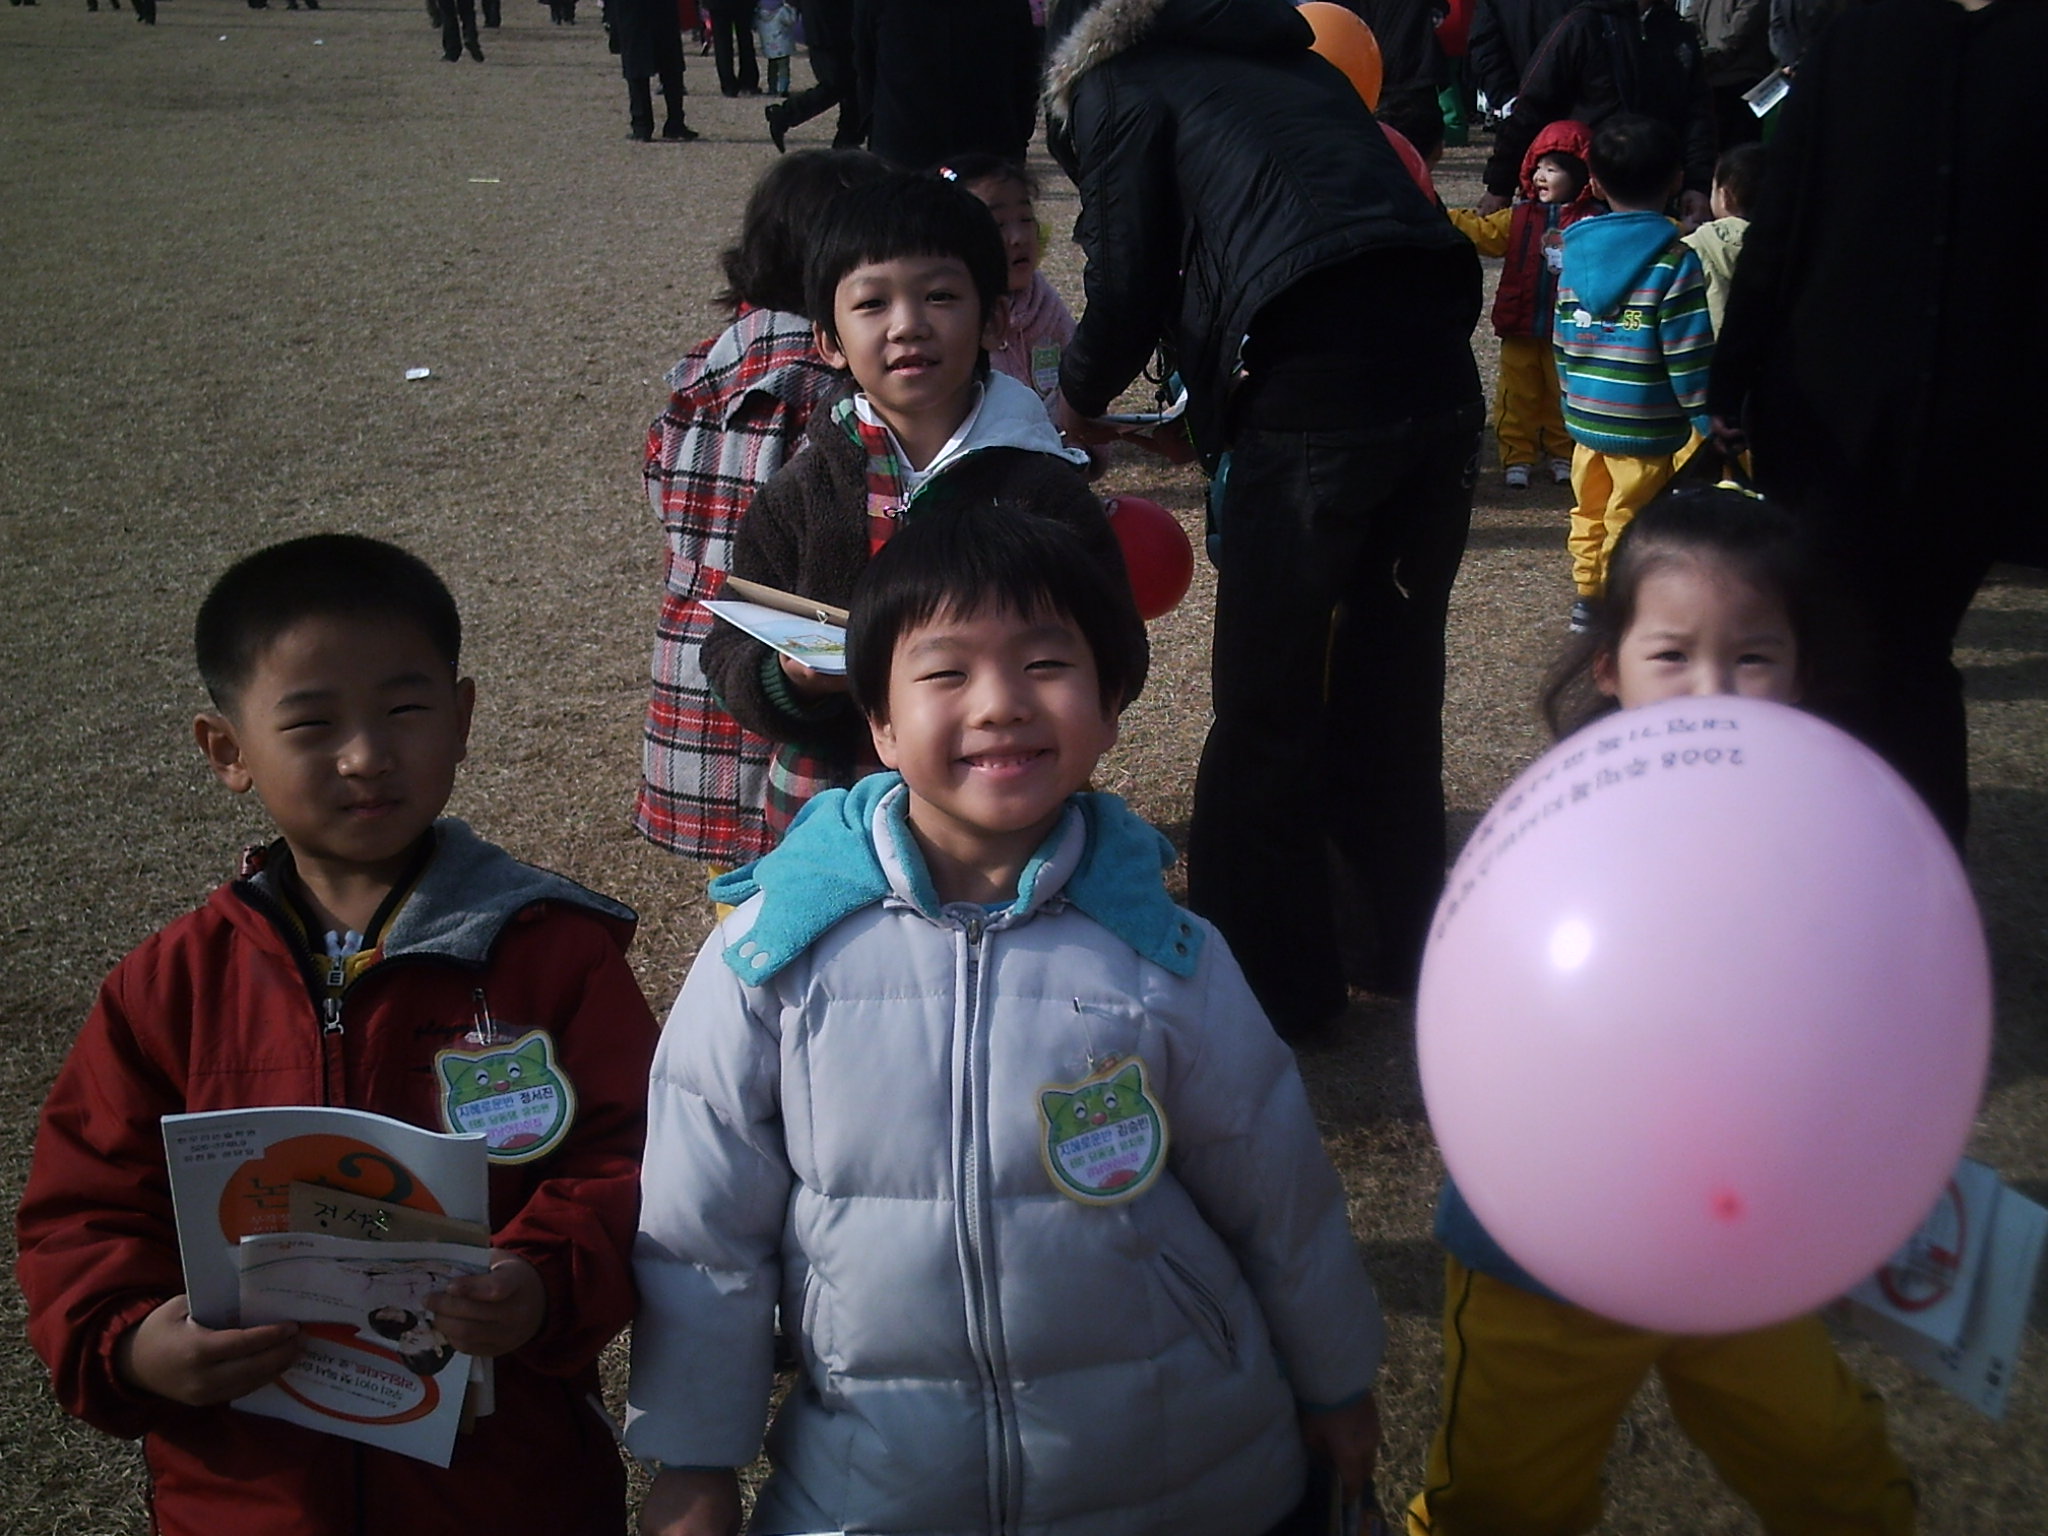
<point x="738" y="410"/>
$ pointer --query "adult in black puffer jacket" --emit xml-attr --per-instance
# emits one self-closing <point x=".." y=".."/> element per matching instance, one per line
<point x="1612" y="56"/>
<point x="1240" y="205"/>
<point x="946" y="77"/>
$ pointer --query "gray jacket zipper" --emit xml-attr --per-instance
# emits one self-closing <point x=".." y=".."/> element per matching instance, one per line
<point x="977" y="1259"/>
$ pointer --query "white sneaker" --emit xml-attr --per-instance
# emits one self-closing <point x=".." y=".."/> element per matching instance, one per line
<point x="1517" y="477"/>
<point x="1560" y="471"/>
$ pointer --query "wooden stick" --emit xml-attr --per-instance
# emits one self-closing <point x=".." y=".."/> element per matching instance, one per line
<point x="783" y="602"/>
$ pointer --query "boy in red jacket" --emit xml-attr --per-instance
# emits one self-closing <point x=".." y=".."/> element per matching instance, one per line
<point x="357" y="957"/>
<point x="1556" y="192"/>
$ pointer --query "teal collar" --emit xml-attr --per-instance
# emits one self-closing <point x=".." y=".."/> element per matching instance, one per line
<point x="850" y="848"/>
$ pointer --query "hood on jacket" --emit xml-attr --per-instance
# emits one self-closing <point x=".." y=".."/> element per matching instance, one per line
<point x="1561" y="137"/>
<point x="463" y="900"/>
<point x="1080" y="34"/>
<point x="1008" y="414"/>
<point x="1604" y="257"/>
<point x="850" y="848"/>
<point x="733" y="363"/>
<point x="1718" y="244"/>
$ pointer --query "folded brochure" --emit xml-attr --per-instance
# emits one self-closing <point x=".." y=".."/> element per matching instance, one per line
<point x="372" y="1370"/>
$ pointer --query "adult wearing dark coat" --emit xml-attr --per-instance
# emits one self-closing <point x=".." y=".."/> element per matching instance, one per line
<point x="1412" y="66"/>
<point x="946" y="77"/>
<point x="828" y="37"/>
<point x="1504" y="37"/>
<point x="1610" y="56"/>
<point x="1735" y="40"/>
<point x="1888" y="375"/>
<point x="649" y="37"/>
<point x="1240" y="206"/>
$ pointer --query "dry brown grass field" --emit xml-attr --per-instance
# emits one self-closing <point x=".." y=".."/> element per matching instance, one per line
<point x="224" y="240"/>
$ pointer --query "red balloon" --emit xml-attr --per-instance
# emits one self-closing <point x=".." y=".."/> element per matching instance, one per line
<point x="1157" y="553"/>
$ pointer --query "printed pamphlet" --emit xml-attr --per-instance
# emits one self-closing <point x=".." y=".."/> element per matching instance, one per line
<point x="1952" y="1303"/>
<point x="375" y="1369"/>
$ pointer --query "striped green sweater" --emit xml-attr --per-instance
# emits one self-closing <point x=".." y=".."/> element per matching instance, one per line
<point x="1632" y="335"/>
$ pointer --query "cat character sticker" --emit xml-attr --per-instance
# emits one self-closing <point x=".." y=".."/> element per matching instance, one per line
<point x="515" y="1093"/>
<point x="1104" y="1137"/>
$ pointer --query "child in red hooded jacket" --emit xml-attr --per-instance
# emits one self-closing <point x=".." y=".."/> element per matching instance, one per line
<point x="1556" y="191"/>
<point x="375" y="956"/>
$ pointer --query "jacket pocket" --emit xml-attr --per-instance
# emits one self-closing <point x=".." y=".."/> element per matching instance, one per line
<point x="812" y="1344"/>
<point x="1201" y="1306"/>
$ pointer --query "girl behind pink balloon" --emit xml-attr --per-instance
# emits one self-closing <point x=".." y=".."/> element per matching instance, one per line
<point x="1708" y="593"/>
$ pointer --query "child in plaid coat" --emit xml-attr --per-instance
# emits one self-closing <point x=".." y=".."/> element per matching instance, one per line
<point x="740" y="404"/>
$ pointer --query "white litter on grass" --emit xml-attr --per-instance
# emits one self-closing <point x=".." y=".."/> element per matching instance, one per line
<point x="419" y="373"/>
<point x="319" y="42"/>
<point x="483" y="181"/>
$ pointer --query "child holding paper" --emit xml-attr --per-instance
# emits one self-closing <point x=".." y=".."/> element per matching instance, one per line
<point x="906" y="284"/>
<point x="357" y="958"/>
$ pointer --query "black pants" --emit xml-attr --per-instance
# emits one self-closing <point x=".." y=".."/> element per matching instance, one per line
<point x="832" y="63"/>
<point x="640" y="99"/>
<point x="732" y="28"/>
<point x="1734" y="123"/>
<point x="1903" y="597"/>
<point x="1337" y="558"/>
<point x="458" y="25"/>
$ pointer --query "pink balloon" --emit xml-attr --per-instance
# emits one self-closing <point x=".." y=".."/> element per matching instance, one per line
<point x="1705" y="1015"/>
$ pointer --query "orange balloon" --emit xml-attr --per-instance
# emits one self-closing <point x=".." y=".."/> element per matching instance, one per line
<point x="1346" y="41"/>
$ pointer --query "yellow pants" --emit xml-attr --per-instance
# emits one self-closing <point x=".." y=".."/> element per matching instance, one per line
<point x="1608" y="490"/>
<point x="1533" y="1389"/>
<point x="1529" y="416"/>
<point x="719" y="910"/>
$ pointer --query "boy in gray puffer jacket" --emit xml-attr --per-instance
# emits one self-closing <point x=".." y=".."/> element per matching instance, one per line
<point x="996" y="1127"/>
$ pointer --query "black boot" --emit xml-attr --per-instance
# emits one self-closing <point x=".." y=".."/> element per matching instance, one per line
<point x="475" y="50"/>
<point x="640" y="106"/>
<point x="675" y="128"/>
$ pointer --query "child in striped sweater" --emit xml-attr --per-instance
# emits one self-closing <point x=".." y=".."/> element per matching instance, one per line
<point x="1633" y="342"/>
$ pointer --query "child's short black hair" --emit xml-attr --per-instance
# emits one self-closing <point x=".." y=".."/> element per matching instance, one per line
<point x="766" y="267"/>
<point x="326" y="575"/>
<point x="977" y="166"/>
<point x="1635" y="158"/>
<point x="1567" y="162"/>
<point x="1755" y="540"/>
<point x="1739" y="173"/>
<point x="904" y="214"/>
<point x="969" y="560"/>
<point x="1418" y="119"/>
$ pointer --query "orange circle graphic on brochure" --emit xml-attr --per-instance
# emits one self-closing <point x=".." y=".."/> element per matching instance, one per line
<point x="427" y="1390"/>
<point x="258" y="1197"/>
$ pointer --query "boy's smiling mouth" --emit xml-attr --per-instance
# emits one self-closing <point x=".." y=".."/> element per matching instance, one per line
<point x="1014" y="760"/>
